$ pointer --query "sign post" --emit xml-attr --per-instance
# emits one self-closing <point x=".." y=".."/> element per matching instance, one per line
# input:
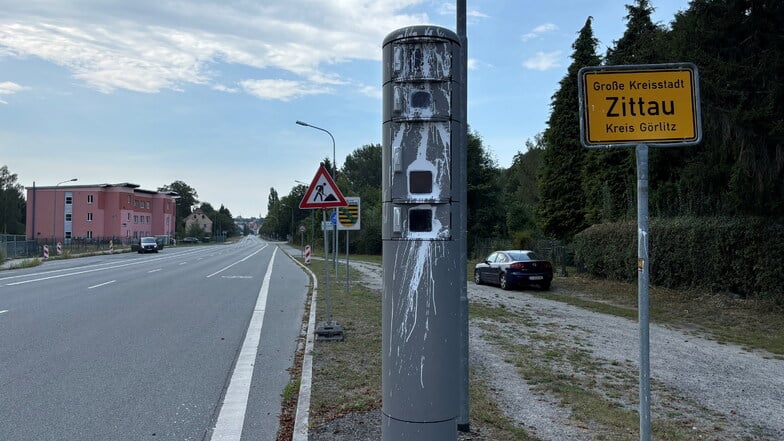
<point x="348" y="218"/>
<point x="302" y="238"/>
<point x="323" y="193"/>
<point x="634" y="106"/>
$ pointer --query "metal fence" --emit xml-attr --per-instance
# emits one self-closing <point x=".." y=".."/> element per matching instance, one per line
<point x="561" y="255"/>
<point x="18" y="247"/>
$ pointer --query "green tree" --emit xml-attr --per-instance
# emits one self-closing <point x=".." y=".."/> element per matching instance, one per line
<point x="195" y="230"/>
<point x="361" y="176"/>
<point x="560" y="212"/>
<point x="187" y="199"/>
<point x="521" y="191"/>
<point x="738" y="47"/>
<point x="272" y="200"/>
<point x="12" y="203"/>
<point x="483" y="192"/>
<point x="609" y="175"/>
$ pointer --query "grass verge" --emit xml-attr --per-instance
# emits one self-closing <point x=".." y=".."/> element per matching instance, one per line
<point x="347" y="374"/>
<point x="750" y="323"/>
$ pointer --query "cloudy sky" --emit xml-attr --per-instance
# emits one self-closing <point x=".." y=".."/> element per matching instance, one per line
<point x="208" y="91"/>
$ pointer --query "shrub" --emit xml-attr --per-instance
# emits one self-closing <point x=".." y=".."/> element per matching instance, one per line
<point x="740" y="255"/>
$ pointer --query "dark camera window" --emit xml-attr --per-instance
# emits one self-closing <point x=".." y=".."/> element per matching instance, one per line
<point x="420" y="100"/>
<point x="420" y="182"/>
<point x="420" y="221"/>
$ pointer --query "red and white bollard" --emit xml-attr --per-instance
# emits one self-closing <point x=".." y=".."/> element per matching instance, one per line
<point x="307" y="254"/>
<point x="59" y="248"/>
<point x="111" y="246"/>
<point x="46" y="251"/>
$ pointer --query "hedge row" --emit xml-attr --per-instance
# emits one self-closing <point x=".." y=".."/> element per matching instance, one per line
<point x="740" y="255"/>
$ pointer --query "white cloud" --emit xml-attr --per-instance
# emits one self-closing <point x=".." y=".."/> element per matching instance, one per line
<point x="222" y="88"/>
<point x="539" y="30"/>
<point x="543" y="61"/>
<point x="371" y="91"/>
<point x="283" y="90"/>
<point x="154" y="45"/>
<point x="451" y="9"/>
<point x="9" y="88"/>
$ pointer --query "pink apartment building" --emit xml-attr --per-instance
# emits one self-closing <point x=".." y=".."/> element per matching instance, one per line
<point x="98" y="211"/>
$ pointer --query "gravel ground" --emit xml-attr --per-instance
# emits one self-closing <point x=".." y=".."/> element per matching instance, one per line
<point x="717" y="391"/>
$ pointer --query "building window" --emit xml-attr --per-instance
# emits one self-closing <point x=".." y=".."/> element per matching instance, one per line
<point x="67" y="234"/>
<point x="89" y="217"/>
<point x="148" y="219"/>
<point x="68" y="200"/>
<point x="135" y="204"/>
<point x="136" y="219"/>
<point x="89" y="199"/>
<point x="89" y="234"/>
<point x="68" y="217"/>
<point x="129" y="216"/>
<point x="148" y="205"/>
<point x="129" y="199"/>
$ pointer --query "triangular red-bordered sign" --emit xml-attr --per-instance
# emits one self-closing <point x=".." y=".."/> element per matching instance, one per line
<point x="323" y="193"/>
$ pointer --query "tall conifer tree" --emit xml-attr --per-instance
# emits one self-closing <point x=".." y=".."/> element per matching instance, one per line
<point x="560" y="211"/>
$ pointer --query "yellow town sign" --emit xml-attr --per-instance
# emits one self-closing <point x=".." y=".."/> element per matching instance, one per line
<point x="648" y="104"/>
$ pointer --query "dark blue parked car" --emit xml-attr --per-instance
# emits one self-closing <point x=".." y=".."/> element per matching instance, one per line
<point x="512" y="268"/>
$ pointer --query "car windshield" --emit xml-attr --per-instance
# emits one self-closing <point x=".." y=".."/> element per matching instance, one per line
<point x="519" y="255"/>
<point x="148" y="240"/>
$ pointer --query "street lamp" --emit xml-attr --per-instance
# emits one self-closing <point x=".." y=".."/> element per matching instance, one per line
<point x="334" y="164"/>
<point x="329" y="330"/>
<point x="54" y="206"/>
<point x="312" y="233"/>
<point x="334" y="172"/>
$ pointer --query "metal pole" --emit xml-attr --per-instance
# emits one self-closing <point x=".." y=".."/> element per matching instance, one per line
<point x="326" y="270"/>
<point x="32" y="234"/>
<point x="643" y="275"/>
<point x="463" y="421"/>
<point x="334" y="174"/>
<point x="347" y="283"/>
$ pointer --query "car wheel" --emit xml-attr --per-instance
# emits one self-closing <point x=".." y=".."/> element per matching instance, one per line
<point x="477" y="278"/>
<point x="503" y="282"/>
<point x="545" y="286"/>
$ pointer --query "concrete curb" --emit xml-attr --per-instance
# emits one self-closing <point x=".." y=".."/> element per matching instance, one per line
<point x="300" y="432"/>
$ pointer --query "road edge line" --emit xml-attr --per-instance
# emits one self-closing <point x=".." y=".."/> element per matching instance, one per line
<point x="300" y="432"/>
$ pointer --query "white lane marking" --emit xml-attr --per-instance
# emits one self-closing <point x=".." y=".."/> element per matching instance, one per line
<point x="303" y="402"/>
<point x="101" y="284"/>
<point x="184" y="263"/>
<point x="3" y="311"/>
<point x="135" y="262"/>
<point x="154" y="271"/>
<point x="98" y="266"/>
<point x="239" y="261"/>
<point x="232" y="414"/>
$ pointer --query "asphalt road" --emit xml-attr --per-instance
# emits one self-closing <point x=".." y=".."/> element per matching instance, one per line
<point x="144" y="347"/>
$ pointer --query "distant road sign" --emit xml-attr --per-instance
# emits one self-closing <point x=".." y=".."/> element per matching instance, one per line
<point x="323" y="192"/>
<point x="642" y="104"/>
<point x="349" y="215"/>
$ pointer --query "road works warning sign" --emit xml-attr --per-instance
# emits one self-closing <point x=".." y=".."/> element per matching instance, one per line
<point x="322" y="192"/>
<point x="642" y="104"/>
